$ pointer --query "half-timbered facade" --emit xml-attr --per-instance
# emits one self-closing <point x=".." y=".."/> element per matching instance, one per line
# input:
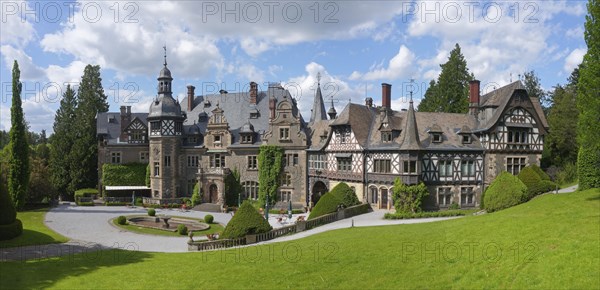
<point x="455" y="155"/>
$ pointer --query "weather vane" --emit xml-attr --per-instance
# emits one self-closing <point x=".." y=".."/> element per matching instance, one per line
<point x="319" y="78"/>
<point x="165" y="48"/>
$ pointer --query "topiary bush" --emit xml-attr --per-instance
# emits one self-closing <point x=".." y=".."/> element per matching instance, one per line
<point x="208" y="219"/>
<point x="328" y="203"/>
<point x="10" y="226"/>
<point x="151" y="212"/>
<point x="540" y="172"/>
<point x="505" y="191"/>
<point x="182" y="229"/>
<point x="345" y="194"/>
<point x="122" y="220"/>
<point x="535" y="183"/>
<point x="246" y="220"/>
<point x="196" y="196"/>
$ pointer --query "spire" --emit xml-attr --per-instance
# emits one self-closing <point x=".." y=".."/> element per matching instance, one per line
<point x="165" y="48"/>
<point x="411" y="132"/>
<point x="332" y="112"/>
<point x="318" y="109"/>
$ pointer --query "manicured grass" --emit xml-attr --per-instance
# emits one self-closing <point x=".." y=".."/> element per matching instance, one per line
<point x="35" y="231"/>
<point x="550" y="242"/>
<point x="430" y="214"/>
<point x="214" y="228"/>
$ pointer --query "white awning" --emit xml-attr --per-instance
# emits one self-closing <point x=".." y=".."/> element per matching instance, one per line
<point x="136" y="187"/>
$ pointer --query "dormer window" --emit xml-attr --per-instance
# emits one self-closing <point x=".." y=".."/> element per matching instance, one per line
<point x="192" y="140"/>
<point x="436" y="137"/>
<point x="254" y="115"/>
<point x="247" y="138"/>
<point x="466" y="139"/>
<point x="386" y="137"/>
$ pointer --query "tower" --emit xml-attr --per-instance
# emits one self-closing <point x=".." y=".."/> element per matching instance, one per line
<point x="166" y="129"/>
<point x="318" y="109"/>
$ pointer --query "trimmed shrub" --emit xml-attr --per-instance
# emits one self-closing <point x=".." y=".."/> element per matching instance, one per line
<point x="534" y="182"/>
<point x="246" y="220"/>
<point x="505" y="191"/>
<point x="122" y="220"/>
<point x="588" y="168"/>
<point x="85" y="192"/>
<point x="540" y="172"/>
<point x="196" y="196"/>
<point x="151" y="212"/>
<point x="85" y="203"/>
<point x="209" y="219"/>
<point x="11" y="230"/>
<point x="328" y="203"/>
<point x="182" y="229"/>
<point x="345" y="194"/>
<point x="454" y="205"/>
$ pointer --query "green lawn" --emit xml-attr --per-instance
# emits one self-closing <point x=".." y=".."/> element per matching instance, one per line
<point x="214" y="228"/>
<point x="35" y="231"/>
<point x="550" y="242"/>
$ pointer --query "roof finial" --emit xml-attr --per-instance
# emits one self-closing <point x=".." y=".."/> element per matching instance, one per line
<point x="411" y="89"/>
<point x="165" y="48"/>
<point x="319" y="78"/>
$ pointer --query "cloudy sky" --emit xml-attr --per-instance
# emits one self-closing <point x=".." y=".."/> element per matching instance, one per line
<point x="355" y="45"/>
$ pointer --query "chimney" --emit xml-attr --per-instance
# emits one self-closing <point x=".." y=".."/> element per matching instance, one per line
<point x="272" y="105"/>
<point x="125" y="120"/>
<point x="190" y="99"/>
<point x="474" y="97"/>
<point x="386" y="95"/>
<point x="369" y="102"/>
<point x="253" y="92"/>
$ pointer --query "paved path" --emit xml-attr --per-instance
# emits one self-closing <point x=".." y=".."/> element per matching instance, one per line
<point x="568" y="189"/>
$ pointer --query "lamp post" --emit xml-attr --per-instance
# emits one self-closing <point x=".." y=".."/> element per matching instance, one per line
<point x="290" y="209"/>
<point x="239" y="199"/>
<point x="267" y="208"/>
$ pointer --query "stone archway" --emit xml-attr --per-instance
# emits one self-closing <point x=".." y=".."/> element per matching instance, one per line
<point x="213" y="193"/>
<point x="319" y="188"/>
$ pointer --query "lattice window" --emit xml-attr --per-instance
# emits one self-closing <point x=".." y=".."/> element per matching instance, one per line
<point x="144" y="157"/>
<point x="467" y="196"/>
<point x="217" y="161"/>
<point x="344" y="164"/>
<point x="115" y="157"/>
<point x="167" y="160"/>
<point x="290" y="159"/>
<point x="386" y="137"/>
<point x="285" y="195"/>
<point x="514" y="165"/>
<point x="518" y="135"/>
<point x="444" y="196"/>
<point x="250" y="190"/>
<point x="410" y="167"/>
<point x="445" y="168"/>
<point x="285" y="179"/>
<point x="156" y="169"/>
<point x="168" y="127"/>
<point x="252" y="162"/>
<point x="316" y="161"/>
<point x="382" y="166"/>
<point x="467" y="168"/>
<point x="284" y="133"/>
<point x="192" y="160"/>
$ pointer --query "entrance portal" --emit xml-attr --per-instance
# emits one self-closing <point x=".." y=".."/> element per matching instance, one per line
<point x="213" y="193"/>
<point x="319" y="188"/>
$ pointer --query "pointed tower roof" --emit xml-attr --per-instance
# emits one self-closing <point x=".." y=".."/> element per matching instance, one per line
<point x="411" y="132"/>
<point x="318" y="109"/>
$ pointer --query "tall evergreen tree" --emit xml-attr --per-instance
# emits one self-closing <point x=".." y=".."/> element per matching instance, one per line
<point x="18" y="173"/>
<point x="588" y="102"/>
<point x="62" y="143"/>
<point x="450" y="93"/>
<point x="84" y="156"/>
<point x="534" y="89"/>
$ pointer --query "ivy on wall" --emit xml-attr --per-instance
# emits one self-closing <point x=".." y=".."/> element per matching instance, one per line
<point x="124" y="174"/>
<point x="270" y="158"/>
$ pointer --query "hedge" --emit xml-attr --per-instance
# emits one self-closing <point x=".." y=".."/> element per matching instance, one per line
<point x="345" y="194"/>
<point x="356" y="210"/>
<point x="209" y="219"/>
<point x="505" y="191"/>
<point x="85" y="203"/>
<point x="588" y="168"/>
<point x="124" y="174"/>
<point x="85" y="192"/>
<point x="328" y="203"/>
<point x="246" y="221"/>
<point x="427" y="214"/>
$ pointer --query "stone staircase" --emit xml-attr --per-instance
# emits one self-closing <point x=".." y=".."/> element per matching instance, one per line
<point x="209" y="207"/>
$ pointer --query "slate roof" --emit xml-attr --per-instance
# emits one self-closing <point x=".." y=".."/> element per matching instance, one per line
<point x="111" y="130"/>
<point x="318" y="109"/>
<point x="360" y="118"/>
<point x="236" y="109"/>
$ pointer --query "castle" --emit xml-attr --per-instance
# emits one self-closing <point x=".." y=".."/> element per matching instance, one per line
<point x="203" y="138"/>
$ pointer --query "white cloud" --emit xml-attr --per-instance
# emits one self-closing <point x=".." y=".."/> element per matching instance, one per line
<point x="574" y="59"/>
<point x="303" y="90"/>
<point x="16" y="30"/>
<point x="400" y="66"/>
<point x="403" y="102"/>
<point x="29" y="71"/>
<point x="576" y="32"/>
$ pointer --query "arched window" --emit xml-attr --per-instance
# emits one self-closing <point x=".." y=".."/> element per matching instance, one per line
<point x="250" y="190"/>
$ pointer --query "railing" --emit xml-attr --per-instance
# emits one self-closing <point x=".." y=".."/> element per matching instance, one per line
<point x="322" y="220"/>
<point x="275" y="233"/>
<point x="151" y="200"/>
<point x="215" y="245"/>
<point x="116" y="199"/>
<point x="298" y="227"/>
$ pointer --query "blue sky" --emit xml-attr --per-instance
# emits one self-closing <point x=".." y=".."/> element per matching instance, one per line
<point x="355" y="45"/>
